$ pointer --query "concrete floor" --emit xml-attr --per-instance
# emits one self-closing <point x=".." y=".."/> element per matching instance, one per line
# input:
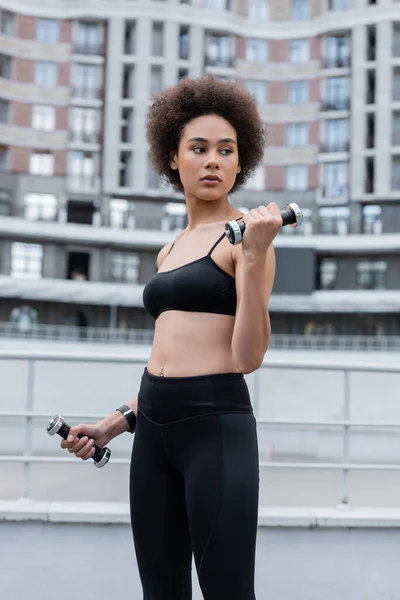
<point x="43" y="561"/>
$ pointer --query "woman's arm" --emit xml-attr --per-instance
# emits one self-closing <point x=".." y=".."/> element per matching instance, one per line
<point x="252" y="330"/>
<point x="115" y="423"/>
<point x="254" y="274"/>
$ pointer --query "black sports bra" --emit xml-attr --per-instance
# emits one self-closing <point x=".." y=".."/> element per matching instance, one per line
<point x="198" y="286"/>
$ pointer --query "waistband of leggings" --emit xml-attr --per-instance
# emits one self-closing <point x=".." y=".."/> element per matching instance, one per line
<point x="193" y="378"/>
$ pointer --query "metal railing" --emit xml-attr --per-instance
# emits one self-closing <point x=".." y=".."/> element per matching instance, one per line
<point x="29" y="415"/>
<point x="110" y="335"/>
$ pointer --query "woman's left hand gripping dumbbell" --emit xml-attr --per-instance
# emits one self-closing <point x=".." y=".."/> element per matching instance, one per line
<point x="83" y="447"/>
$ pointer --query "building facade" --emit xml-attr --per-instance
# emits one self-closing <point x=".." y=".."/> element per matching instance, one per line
<point x="82" y="213"/>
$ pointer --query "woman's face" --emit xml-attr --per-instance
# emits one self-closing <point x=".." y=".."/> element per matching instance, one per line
<point x="207" y="157"/>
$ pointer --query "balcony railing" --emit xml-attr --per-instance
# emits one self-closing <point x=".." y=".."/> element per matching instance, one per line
<point x="87" y="92"/>
<point x="85" y="137"/>
<point x="83" y="183"/>
<point x="335" y="104"/>
<point x="93" y="49"/>
<point x="335" y="191"/>
<point x="336" y="62"/>
<point x="221" y="61"/>
<point x="335" y="147"/>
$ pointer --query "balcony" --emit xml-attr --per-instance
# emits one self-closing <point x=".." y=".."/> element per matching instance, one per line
<point x="227" y="62"/>
<point x="335" y="104"/>
<point x="340" y="146"/>
<point x="94" y="93"/>
<point x="85" y="137"/>
<point x="89" y="184"/>
<point x="336" y="62"/>
<point x="90" y="49"/>
<point x="336" y="192"/>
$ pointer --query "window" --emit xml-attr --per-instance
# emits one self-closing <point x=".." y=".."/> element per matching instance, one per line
<point x="217" y="4"/>
<point x="40" y="207"/>
<point x="157" y="47"/>
<point x="336" y="135"/>
<point x="4" y="111"/>
<point x="175" y="216"/>
<point x="258" y="89"/>
<point x="41" y="163"/>
<point x="395" y="129"/>
<point x="327" y="274"/>
<point x="125" y="169"/>
<point x="256" y="51"/>
<point x="396" y="84"/>
<point x="45" y="73"/>
<point x="122" y="214"/>
<point x="85" y="124"/>
<point x="125" y="267"/>
<point x="6" y="198"/>
<point x="24" y="317"/>
<point x="297" y="177"/>
<point x="82" y="170"/>
<point x="298" y="92"/>
<point x="130" y="37"/>
<point x="337" y="48"/>
<point x="219" y="51"/>
<point x="335" y="181"/>
<point x="182" y="73"/>
<point x="258" y="10"/>
<point x="337" y="90"/>
<point x="371" y="275"/>
<point x="396" y="40"/>
<point x="297" y="135"/>
<point x="87" y="80"/>
<point x="334" y="220"/>
<point x="43" y="117"/>
<point x="396" y="173"/>
<point x="3" y="158"/>
<point x="339" y="4"/>
<point x="372" y="219"/>
<point x="26" y="260"/>
<point x="128" y="81"/>
<point x="299" y="51"/>
<point x="89" y="38"/>
<point x="5" y="66"/>
<point x="300" y="10"/>
<point x="47" y="31"/>
<point x="127" y="125"/>
<point x="184" y="42"/>
<point x="153" y="178"/>
<point x="156" y="80"/>
<point x="257" y="181"/>
<point x="7" y="22"/>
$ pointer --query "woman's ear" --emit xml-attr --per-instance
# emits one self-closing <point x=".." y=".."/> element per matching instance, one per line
<point x="173" y="161"/>
<point x="238" y="169"/>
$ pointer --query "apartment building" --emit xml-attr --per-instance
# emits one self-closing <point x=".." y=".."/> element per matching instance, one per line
<point x="82" y="213"/>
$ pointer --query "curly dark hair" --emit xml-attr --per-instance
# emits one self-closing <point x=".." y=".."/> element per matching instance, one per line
<point x="174" y="107"/>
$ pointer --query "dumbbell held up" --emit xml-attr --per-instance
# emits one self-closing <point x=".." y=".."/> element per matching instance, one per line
<point x="291" y="215"/>
<point x="58" y="425"/>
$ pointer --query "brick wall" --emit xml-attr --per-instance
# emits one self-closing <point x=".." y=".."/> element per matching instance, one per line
<point x="23" y="70"/>
<point x="276" y="178"/>
<point x="19" y="159"/>
<point x="278" y="50"/>
<point x="22" y="114"/>
<point x="26" y="27"/>
<point x="277" y="92"/>
<point x="276" y="134"/>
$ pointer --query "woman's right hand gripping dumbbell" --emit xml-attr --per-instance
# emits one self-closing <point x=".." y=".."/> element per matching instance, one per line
<point x="83" y="447"/>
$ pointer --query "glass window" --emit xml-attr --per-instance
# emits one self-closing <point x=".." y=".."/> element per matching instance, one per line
<point x="184" y="42"/>
<point x="89" y="38"/>
<point x="43" y="117"/>
<point x="258" y="10"/>
<point x="41" y="163"/>
<point x="40" y="207"/>
<point x="339" y="4"/>
<point x="130" y="37"/>
<point x="396" y="40"/>
<point x="334" y="220"/>
<point x="122" y="214"/>
<point x="396" y="129"/>
<point x="327" y="273"/>
<point x="337" y="48"/>
<point x="396" y="84"/>
<point x="47" y="31"/>
<point x="7" y="22"/>
<point x="336" y="135"/>
<point x="87" y="80"/>
<point x="297" y="135"/>
<point x="300" y="10"/>
<point x="82" y="170"/>
<point x="157" y="48"/>
<point x="258" y="89"/>
<point x="219" y="50"/>
<point x="5" y="66"/>
<point x="396" y="173"/>
<point x="175" y="216"/>
<point x="371" y="275"/>
<point x="125" y="267"/>
<point x="24" y="317"/>
<point x="256" y="51"/>
<point x="3" y="158"/>
<point x="299" y="51"/>
<point x="217" y="4"/>
<point x="85" y="124"/>
<point x="6" y="198"/>
<point x="45" y="73"/>
<point x="297" y="177"/>
<point x="26" y="260"/>
<point x="156" y="80"/>
<point x="298" y="92"/>
<point x="335" y="179"/>
<point x="337" y="89"/>
<point x="4" y="111"/>
<point x="372" y="219"/>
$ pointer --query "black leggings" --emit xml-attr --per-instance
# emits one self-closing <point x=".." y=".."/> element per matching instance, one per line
<point x="194" y="486"/>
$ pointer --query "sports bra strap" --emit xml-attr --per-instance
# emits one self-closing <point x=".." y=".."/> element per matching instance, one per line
<point x="220" y="239"/>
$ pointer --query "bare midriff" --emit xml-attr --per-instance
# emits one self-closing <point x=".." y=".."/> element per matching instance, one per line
<point x="192" y="343"/>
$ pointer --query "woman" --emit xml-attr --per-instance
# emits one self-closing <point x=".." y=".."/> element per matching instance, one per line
<point x="194" y="471"/>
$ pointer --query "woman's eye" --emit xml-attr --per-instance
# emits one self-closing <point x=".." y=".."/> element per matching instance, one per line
<point x="198" y="148"/>
<point x="227" y="150"/>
